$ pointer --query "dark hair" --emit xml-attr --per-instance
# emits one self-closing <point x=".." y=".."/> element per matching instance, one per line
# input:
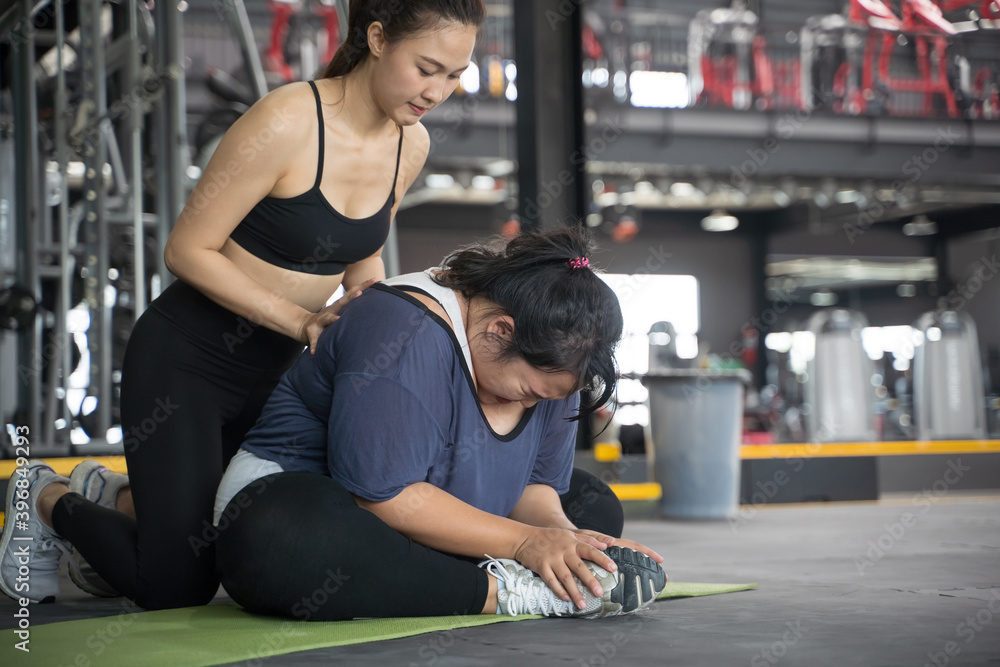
<point x="565" y="318"/>
<point x="400" y="19"/>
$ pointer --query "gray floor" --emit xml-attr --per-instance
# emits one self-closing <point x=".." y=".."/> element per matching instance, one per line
<point x="899" y="582"/>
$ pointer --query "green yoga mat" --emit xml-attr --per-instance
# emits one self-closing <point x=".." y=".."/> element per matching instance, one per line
<point x="217" y="634"/>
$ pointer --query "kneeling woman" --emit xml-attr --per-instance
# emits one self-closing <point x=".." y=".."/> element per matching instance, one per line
<point x="433" y="428"/>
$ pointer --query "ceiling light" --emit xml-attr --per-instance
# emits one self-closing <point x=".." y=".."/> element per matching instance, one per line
<point x="439" y="181"/>
<point x="921" y="225"/>
<point x="483" y="182"/>
<point x="469" y="80"/>
<point x="719" y="221"/>
<point x="823" y="298"/>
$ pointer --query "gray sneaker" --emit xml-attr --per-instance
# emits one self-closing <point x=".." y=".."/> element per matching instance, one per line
<point x="524" y="592"/>
<point x="642" y="579"/>
<point x="633" y="587"/>
<point x="99" y="485"/>
<point x="29" y="550"/>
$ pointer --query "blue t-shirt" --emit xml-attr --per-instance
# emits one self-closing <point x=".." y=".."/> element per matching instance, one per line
<point x="388" y="401"/>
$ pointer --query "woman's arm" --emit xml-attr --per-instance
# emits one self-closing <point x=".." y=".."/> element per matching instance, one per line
<point x="437" y="519"/>
<point x="252" y="157"/>
<point x="368" y="269"/>
<point x="539" y="505"/>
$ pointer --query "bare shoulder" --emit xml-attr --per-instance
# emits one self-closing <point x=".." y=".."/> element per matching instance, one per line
<point x="416" y="145"/>
<point x="288" y="111"/>
<point x="418" y="138"/>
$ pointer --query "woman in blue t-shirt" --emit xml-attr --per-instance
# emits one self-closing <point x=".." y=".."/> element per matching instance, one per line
<point x="435" y="427"/>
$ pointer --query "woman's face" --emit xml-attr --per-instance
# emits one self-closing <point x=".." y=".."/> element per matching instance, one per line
<point x="415" y="75"/>
<point x="504" y="381"/>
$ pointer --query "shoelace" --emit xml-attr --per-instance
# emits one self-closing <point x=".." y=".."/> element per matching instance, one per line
<point x="526" y="593"/>
<point x="44" y="564"/>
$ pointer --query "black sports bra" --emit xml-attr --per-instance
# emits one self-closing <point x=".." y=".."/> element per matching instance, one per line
<point x="305" y="233"/>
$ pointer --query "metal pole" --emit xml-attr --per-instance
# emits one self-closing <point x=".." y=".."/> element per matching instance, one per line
<point x="95" y="223"/>
<point x="26" y="218"/>
<point x="236" y="12"/>
<point x="66" y="261"/>
<point x="550" y="157"/>
<point x="175" y="156"/>
<point x="133" y="73"/>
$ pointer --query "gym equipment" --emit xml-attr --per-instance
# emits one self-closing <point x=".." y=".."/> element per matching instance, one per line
<point x="838" y="389"/>
<point x="947" y="378"/>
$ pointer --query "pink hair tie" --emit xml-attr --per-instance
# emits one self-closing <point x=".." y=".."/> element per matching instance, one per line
<point x="579" y="263"/>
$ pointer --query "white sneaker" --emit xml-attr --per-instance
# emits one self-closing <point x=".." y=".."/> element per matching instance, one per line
<point x="99" y="485"/>
<point x="524" y="592"/>
<point x="29" y="550"/>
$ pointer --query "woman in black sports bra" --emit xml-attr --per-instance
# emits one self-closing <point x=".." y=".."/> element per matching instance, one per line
<point x="296" y="201"/>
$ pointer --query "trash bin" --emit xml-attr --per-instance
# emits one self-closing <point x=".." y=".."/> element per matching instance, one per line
<point x="696" y="417"/>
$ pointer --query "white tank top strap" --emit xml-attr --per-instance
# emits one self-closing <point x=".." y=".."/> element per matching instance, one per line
<point x="444" y="296"/>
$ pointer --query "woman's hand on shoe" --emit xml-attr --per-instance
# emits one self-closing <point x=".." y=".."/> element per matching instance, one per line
<point x="315" y="323"/>
<point x="558" y="555"/>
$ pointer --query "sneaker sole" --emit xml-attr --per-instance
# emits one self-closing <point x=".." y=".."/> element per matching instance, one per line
<point x="98" y="587"/>
<point x="641" y="579"/>
<point x="7" y="536"/>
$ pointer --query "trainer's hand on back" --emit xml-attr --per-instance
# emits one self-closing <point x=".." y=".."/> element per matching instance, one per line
<point x="557" y="554"/>
<point x="313" y="325"/>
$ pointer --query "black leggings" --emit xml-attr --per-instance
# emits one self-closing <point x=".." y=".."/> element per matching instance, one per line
<point x="194" y="380"/>
<point x="296" y="544"/>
